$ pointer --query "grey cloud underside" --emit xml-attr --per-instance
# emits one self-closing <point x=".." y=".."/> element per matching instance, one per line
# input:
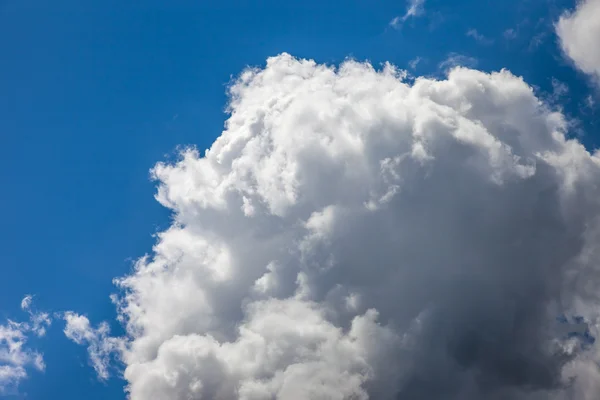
<point x="353" y="236"/>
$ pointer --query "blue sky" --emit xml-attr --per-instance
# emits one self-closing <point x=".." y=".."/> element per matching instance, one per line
<point x="96" y="92"/>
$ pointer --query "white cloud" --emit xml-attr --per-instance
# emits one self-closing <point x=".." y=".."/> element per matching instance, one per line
<point x="99" y="344"/>
<point x="396" y="22"/>
<point x="479" y="37"/>
<point x="414" y="62"/>
<point x="558" y="97"/>
<point x="578" y="32"/>
<point x="26" y="302"/>
<point x="38" y="321"/>
<point x="415" y="8"/>
<point x="589" y="102"/>
<point x="510" y="34"/>
<point x="405" y="240"/>
<point x="15" y="357"/>
<point x="559" y="89"/>
<point x="537" y="40"/>
<point x="457" y="60"/>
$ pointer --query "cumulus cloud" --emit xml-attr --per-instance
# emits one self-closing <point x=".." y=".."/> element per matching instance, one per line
<point x="356" y="235"/>
<point x="15" y="356"/>
<point x="578" y="32"/>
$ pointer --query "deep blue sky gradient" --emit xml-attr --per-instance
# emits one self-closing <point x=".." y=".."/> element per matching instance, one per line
<point x="94" y="93"/>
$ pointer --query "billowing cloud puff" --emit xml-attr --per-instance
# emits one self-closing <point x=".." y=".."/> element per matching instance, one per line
<point x="579" y="34"/>
<point x="356" y="235"/>
<point x="15" y="357"/>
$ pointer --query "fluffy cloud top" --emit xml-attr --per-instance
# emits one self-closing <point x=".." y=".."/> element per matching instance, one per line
<point x="579" y="34"/>
<point x="352" y="235"/>
<point x="15" y="357"/>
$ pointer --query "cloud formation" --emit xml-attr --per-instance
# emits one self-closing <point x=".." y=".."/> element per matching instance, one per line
<point x="38" y="321"/>
<point x="355" y="235"/>
<point x="478" y="37"/>
<point x="457" y="60"/>
<point x="100" y="345"/>
<point x="415" y="8"/>
<point x="510" y="34"/>
<point x="414" y="62"/>
<point x="15" y="357"/>
<point x="578" y="32"/>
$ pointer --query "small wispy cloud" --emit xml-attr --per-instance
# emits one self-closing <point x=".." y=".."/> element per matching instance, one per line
<point x="589" y="102"/>
<point x="100" y="345"/>
<point x="588" y="105"/>
<point x="479" y="37"/>
<point x="559" y="88"/>
<point x="414" y="62"/>
<point x="395" y="22"/>
<point x="15" y="356"/>
<point x="26" y="302"/>
<point x="542" y="28"/>
<point x="456" y="60"/>
<point x="415" y="8"/>
<point x="38" y="321"/>
<point x="510" y="34"/>
<point x="559" y="92"/>
<point x="537" y="40"/>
